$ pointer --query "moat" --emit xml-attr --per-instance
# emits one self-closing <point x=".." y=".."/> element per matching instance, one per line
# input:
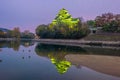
<point x="28" y="60"/>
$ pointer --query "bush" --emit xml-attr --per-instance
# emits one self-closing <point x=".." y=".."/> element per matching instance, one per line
<point x="27" y="35"/>
<point x="110" y="27"/>
<point x="62" y="31"/>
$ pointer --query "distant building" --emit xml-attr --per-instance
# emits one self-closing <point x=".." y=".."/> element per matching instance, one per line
<point x="94" y="30"/>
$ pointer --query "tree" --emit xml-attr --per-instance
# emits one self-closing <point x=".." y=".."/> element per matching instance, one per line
<point x="42" y="30"/>
<point x="104" y="19"/>
<point x="27" y="34"/>
<point x="91" y="23"/>
<point x="109" y="21"/>
<point x="16" y="32"/>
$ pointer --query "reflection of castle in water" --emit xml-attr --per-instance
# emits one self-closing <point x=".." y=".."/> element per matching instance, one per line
<point x="57" y="55"/>
<point x="61" y="66"/>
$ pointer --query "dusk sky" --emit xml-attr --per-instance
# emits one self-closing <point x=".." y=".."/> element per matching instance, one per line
<point x="28" y="14"/>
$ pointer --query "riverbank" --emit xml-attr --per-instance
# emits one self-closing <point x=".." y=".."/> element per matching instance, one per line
<point x="100" y="63"/>
<point x="82" y="43"/>
<point x="103" y="37"/>
<point x="101" y="40"/>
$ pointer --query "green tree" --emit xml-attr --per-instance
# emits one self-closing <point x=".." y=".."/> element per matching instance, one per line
<point x="91" y="23"/>
<point x="42" y="31"/>
<point x="27" y="34"/>
<point x="16" y="32"/>
<point x="109" y="22"/>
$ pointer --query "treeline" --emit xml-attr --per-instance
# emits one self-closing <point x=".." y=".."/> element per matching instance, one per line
<point x="62" y="31"/>
<point x="109" y="22"/>
<point x="15" y="33"/>
<point x="15" y="45"/>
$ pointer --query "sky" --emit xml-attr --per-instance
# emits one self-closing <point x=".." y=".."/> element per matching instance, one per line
<point x="28" y="14"/>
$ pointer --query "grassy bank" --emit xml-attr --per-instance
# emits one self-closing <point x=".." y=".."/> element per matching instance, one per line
<point x="103" y="37"/>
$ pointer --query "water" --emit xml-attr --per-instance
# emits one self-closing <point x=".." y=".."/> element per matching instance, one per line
<point x="36" y="61"/>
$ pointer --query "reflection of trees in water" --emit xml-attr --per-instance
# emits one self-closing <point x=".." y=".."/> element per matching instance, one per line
<point x="57" y="51"/>
<point x="15" y="44"/>
<point x="43" y="49"/>
<point x="27" y="43"/>
<point x="78" y="50"/>
<point x="57" y="55"/>
<point x="10" y="44"/>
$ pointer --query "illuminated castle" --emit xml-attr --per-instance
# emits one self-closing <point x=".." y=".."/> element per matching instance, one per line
<point x="64" y="17"/>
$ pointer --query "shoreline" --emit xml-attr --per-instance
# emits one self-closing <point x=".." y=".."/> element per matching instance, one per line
<point x="82" y="43"/>
<point x="71" y="42"/>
